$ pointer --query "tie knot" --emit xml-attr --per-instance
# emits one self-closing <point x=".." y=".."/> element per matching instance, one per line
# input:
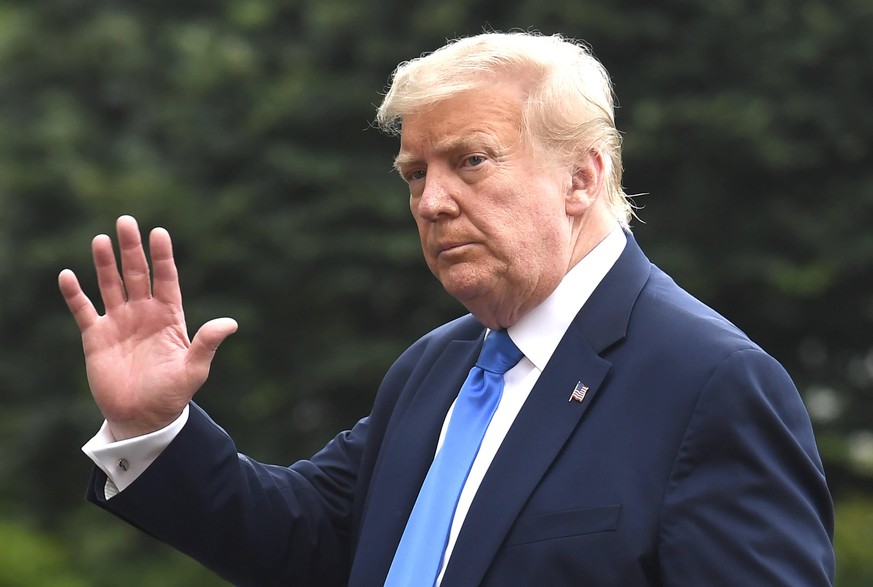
<point x="499" y="354"/>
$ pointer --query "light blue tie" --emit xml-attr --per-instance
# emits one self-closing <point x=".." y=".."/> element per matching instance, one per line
<point x="419" y="555"/>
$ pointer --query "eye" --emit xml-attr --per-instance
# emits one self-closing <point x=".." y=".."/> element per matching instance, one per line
<point x="474" y="160"/>
<point x="415" y="175"/>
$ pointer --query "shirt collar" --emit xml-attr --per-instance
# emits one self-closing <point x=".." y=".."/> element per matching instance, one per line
<point x="539" y="331"/>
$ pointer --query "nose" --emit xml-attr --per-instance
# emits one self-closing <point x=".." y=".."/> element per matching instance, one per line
<point x="438" y="197"/>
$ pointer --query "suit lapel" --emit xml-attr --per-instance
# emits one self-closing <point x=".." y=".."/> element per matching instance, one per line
<point x="408" y="450"/>
<point x="539" y="432"/>
<point x="547" y="419"/>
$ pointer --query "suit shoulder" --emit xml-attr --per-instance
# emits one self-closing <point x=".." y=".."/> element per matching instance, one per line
<point x="421" y="353"/>
<point x="463" y="328"/>
<point x="663" y="306"/>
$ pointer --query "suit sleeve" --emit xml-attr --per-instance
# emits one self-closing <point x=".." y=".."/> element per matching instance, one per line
<point x="747" y="502"/>
<point x="252" y="524"/>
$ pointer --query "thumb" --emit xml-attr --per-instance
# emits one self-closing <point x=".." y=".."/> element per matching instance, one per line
<point x="207" y="340"/>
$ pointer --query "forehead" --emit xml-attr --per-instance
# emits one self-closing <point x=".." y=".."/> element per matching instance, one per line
<point x="489" y="114"/>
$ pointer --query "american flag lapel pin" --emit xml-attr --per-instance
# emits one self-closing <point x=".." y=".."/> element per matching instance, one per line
<point x="578" y="392"/>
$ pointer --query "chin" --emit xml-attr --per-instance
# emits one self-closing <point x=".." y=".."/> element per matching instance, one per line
<point x="471" y="283"/>
<point x="464" y="290"/>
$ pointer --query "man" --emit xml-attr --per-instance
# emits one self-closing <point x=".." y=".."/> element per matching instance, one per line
<point x="641" y="440"/>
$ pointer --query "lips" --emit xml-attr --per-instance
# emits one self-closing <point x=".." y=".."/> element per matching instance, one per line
<point x="448" y="247"/>
<point x="451" y="247"/>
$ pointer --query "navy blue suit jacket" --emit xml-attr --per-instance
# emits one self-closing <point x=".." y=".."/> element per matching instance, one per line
<point x="690" y="462"/>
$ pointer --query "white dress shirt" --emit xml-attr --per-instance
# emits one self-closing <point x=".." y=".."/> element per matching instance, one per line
<point x="125" y="460"/>
<point x="536" y="334"/>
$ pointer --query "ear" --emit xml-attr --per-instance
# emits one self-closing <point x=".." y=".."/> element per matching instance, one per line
<point x="586" y="184"/>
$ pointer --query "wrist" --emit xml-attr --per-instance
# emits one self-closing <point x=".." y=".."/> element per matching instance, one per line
<point x="127" y="429"/>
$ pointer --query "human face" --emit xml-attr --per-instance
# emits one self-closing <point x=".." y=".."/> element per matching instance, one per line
<point x="491" y="214"/>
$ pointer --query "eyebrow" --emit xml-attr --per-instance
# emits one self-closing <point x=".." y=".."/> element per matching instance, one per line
<point x="403" y="159"/>
<point x="463" y="142"/>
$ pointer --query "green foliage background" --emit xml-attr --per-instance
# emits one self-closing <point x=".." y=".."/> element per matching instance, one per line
<point x="243" y="127"/>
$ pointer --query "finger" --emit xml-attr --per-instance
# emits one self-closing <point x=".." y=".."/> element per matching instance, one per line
<point x="80" y="306"/>
<point x="206" y="341"/>
<point x="108" y="279"/>
<point x="134" y="265"/>
<point x="166" y="276"/>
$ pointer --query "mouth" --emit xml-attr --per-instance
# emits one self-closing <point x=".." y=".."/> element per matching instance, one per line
<point x="451" y="248"/>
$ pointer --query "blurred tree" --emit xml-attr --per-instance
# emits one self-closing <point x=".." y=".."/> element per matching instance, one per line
<point x="854" y="535"/>
<point x="32" y="559"/>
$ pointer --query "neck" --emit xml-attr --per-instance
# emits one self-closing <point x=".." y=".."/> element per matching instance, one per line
<point x="590" y="232"/>
<point x="503" y="313"/>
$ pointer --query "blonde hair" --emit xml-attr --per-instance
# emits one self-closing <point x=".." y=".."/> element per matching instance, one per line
<point x="569" y="108"/>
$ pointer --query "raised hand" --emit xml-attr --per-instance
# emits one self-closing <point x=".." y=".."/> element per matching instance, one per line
<point x="142" y="368"/>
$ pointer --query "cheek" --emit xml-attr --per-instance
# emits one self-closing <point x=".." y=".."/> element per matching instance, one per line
<point x="540" y="239"/>
<point x="423" y="232"/>
<point x="533" y="223"/>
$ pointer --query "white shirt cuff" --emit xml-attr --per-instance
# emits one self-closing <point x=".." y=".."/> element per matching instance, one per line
<point x="124" y="461"/>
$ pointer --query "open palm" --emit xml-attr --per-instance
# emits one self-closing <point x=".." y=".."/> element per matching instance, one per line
<point x="142" y="367"/>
